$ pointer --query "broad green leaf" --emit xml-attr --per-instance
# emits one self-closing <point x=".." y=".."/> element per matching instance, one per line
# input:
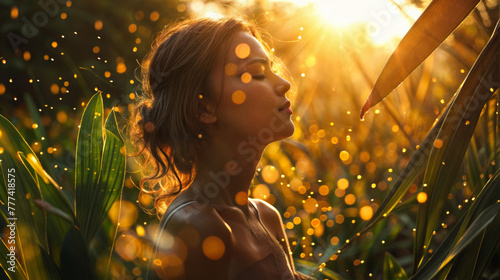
<point x="452" y="141"/>
<point x="112" y="175"/>
<point x="15" y="272"/>
<point x="89" y="149"/>
<point x="437" y="261"/>
<point x="94" y="199"/>
<point x="392" y="269"/>
<point x="435" y="24"/>
<point x="75" y="261"/>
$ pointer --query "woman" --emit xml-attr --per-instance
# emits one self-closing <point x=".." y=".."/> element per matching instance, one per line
<point x="213" y="100"/>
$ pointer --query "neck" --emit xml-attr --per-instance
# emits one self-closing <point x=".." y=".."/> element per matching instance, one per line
<point x="225" y="172"/>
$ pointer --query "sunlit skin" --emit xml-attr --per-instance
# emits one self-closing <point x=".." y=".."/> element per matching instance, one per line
<point x="235" y="147"/>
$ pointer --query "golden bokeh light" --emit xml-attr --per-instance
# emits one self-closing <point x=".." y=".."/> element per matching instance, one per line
<point x="127" y="213"/>
<point x="311" y="205"/>
<point x="315" y="222"/>
<point x="339" y="219"/>
<point x="342" y="183"/>
<point x="334" y="240"/>
<point x="366" y="213"/>
<point x="128" y="247"/>
<point x="213" y="248"/>
<point x="270" y="174"/>
<point x="246" y="78"/>
<point x="324" y="190"/>
<point x="98" y="25"/>
<point x="350" y="199"/>
<point x="238" y="97"/>
<point x="241" y="198"/>
<point x="242" y="50"/>
<point x="14" y="12"/>
<point x="154" y="16"/>
<point x="132" y="28"/>
<point x="261" y="191"/>
<point x="422" y="197"/>
<point x="344" y="156"/>
<point x="121" y="68"/>
<point x="438" y="143"/>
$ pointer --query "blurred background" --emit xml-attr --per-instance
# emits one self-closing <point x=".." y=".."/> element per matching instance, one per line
<point x="326" y="180"/>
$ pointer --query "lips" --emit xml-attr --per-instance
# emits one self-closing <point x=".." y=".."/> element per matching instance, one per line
<point x="286" y="108"/>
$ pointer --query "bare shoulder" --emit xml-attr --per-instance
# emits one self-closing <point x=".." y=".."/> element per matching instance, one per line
<point x="197" y="237"/>
<point x="270" y="216"/>
<point x="265" y="208"/>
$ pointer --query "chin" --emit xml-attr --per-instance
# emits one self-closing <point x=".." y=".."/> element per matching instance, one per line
<point x="286" y="132"/>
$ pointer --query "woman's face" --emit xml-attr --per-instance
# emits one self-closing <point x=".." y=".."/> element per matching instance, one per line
<point x="253" y="107"/>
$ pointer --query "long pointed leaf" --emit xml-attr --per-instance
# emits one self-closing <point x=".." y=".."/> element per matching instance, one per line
<point x="432" y="267"/>
<point x="454" y="136"/>
<point x="112" y="175"/>
<point x="88" y="162"/>
<point x="488" y="196"/>
<point x="434" y="25"/>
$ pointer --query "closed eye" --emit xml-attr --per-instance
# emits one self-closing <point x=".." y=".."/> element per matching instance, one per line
<point x="259" y="77"/>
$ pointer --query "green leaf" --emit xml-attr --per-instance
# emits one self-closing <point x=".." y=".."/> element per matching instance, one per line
<point x="88" y="162"/>
<point x="437" y="261"/>
<point x="54" y="201"/>
<point x="100" y="167"/>
<point x="484" y="247"/>
<point x="454" y="137"/>
<point x="392" y="269"/>
<point x="14" y="144"/>
<point x="112" y="175"/>
<point x="434" y="25"/>
<point x="31" y="220"/>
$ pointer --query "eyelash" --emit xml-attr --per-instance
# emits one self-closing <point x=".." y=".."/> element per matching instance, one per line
<point x="259" y="77"/>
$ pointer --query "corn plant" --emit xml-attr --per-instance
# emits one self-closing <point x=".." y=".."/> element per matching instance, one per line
<point x="51" y="238"/>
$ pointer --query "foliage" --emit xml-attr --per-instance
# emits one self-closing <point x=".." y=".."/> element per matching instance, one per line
<point x="53" y="241"/>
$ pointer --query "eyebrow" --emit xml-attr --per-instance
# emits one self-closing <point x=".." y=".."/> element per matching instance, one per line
<point x="262" y="60"/>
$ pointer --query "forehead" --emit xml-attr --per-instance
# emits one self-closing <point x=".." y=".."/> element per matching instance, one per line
<point x="244" y="46"/>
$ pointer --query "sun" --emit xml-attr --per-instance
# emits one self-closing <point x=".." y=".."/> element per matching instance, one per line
<point x="341" y="13"/>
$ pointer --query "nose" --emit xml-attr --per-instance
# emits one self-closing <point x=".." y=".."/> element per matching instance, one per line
<point x="282" y="86"/>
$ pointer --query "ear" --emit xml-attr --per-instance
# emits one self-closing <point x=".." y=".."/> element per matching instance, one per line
<point x="207" y="115"/>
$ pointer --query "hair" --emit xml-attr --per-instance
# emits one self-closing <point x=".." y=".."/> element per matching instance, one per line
<point x="176" y="82"/>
